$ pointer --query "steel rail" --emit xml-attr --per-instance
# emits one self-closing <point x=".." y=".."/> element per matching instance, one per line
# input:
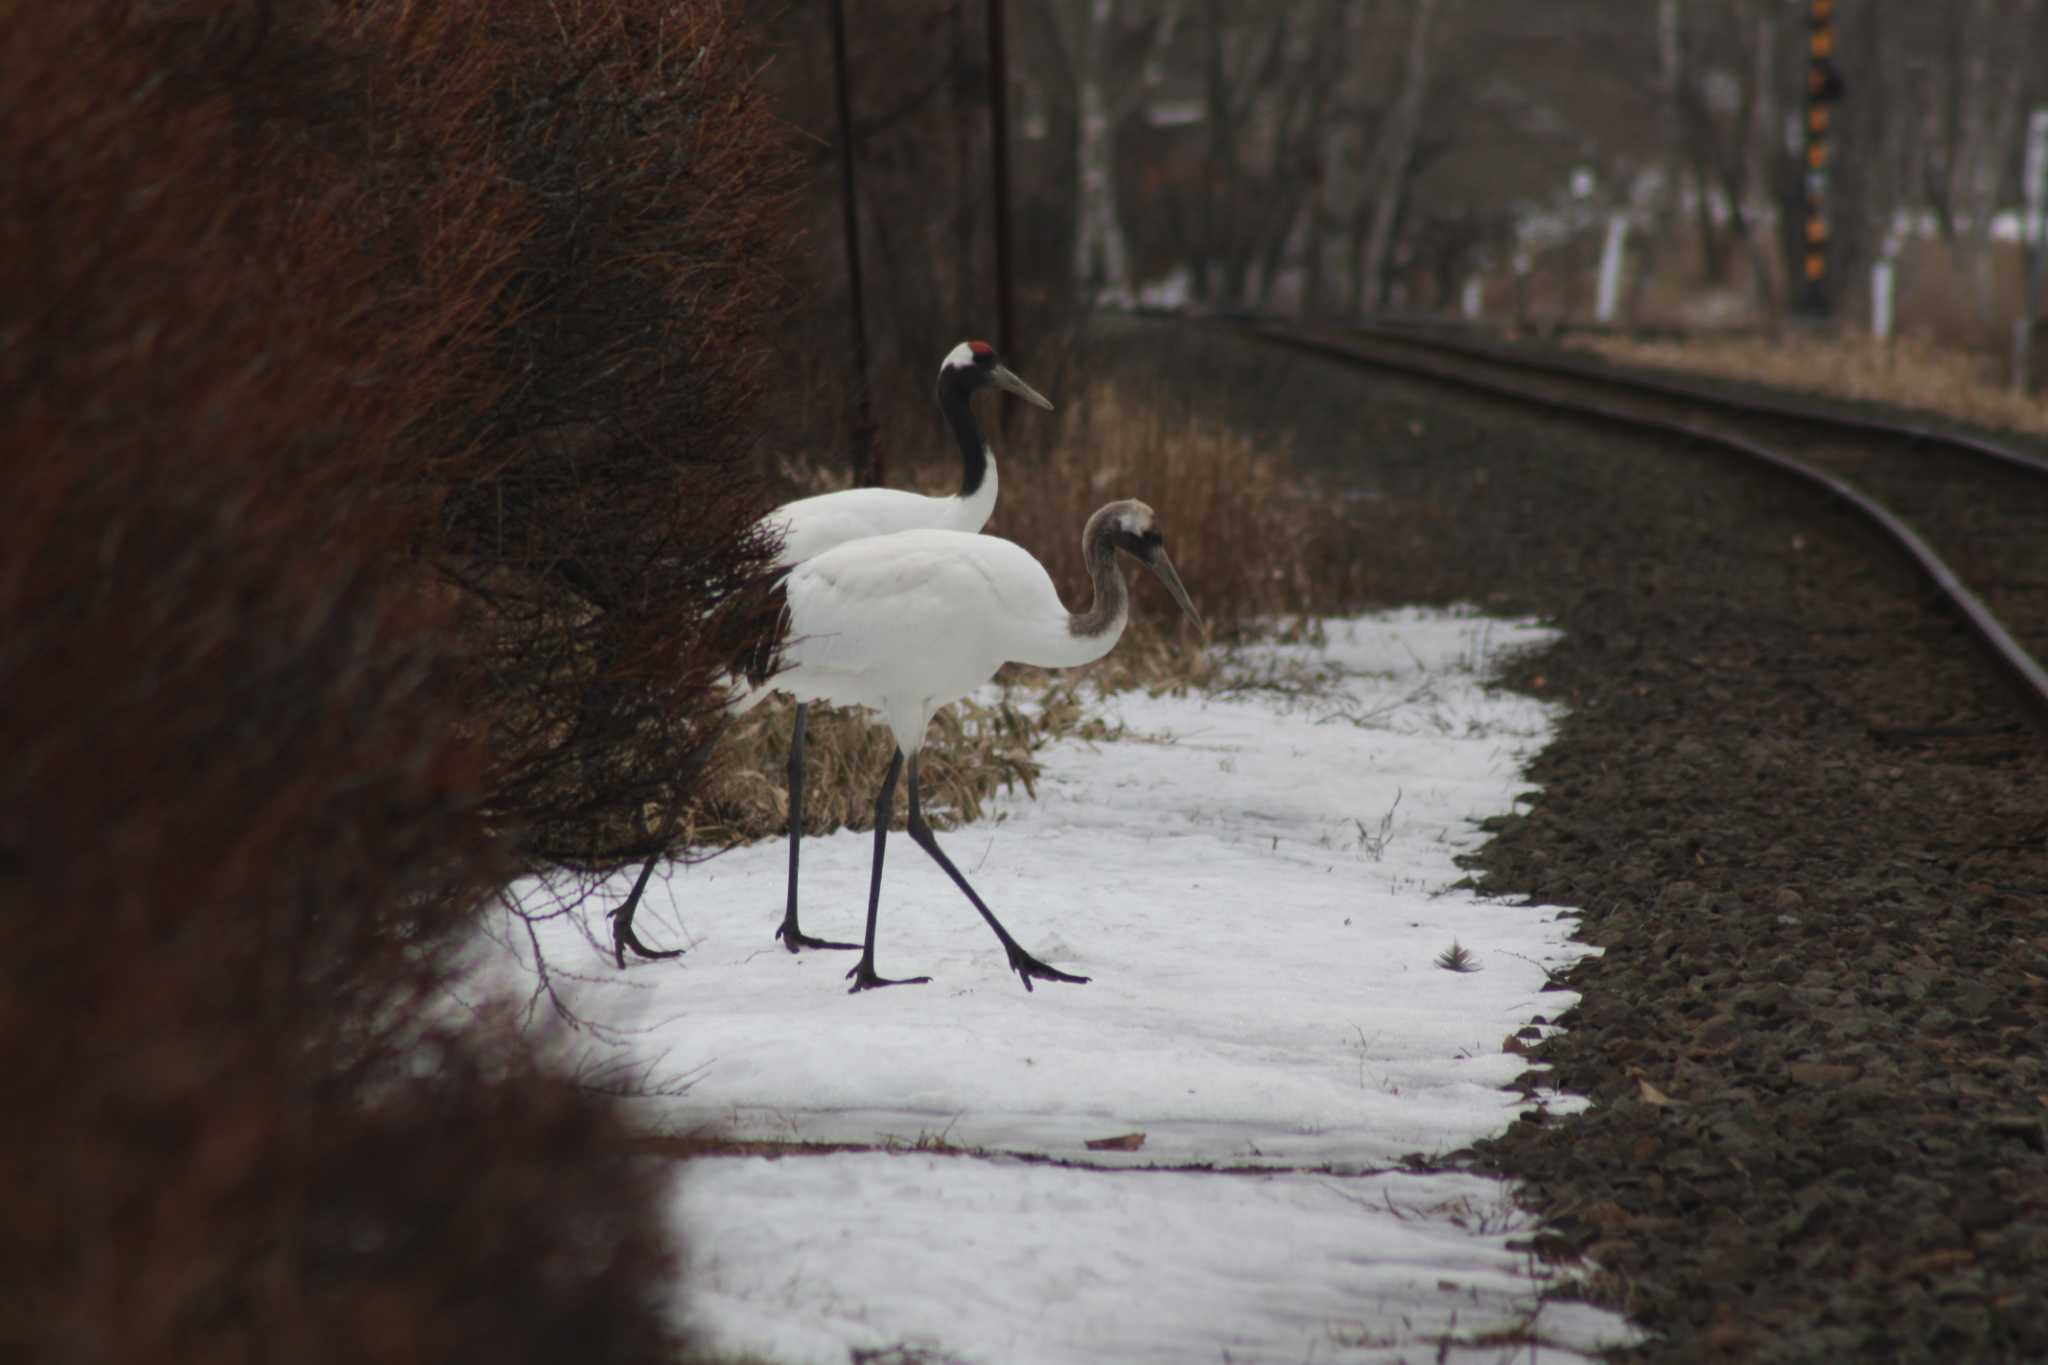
<point x="1419" y="334"/>
<point x="2021" y="666"/>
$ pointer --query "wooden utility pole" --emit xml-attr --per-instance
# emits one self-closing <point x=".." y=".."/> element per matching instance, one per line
<point x="867" y="457"/>
<point x="999" y="147"/>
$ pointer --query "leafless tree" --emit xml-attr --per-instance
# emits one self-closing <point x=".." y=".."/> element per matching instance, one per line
<point x="1393" y="156"/>
<point x="1102" y="266"/>
<point x="1989" y="73"/>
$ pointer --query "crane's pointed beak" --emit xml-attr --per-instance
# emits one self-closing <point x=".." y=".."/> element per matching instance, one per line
<point x="1004" y="379"/>
<point x="1168" y="575"/>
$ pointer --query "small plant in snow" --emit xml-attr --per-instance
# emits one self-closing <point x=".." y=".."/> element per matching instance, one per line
<point x="1456" y="958"/>
<point x="1375" y="842"/>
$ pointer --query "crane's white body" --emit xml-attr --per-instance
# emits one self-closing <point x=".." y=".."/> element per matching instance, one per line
<point x="907" y="623"/>
<point x="811" y="526"/>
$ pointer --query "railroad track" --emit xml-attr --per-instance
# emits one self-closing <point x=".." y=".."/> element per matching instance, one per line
<point x="1969" y="512"/>
<point x="1802" y="823"/>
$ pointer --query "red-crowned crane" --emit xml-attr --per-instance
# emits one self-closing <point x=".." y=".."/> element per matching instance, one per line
<point x="810" y="526"/>
<point x="905" y="624"/>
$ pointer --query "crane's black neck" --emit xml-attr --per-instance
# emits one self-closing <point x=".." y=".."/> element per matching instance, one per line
<point x="953" y="396"/>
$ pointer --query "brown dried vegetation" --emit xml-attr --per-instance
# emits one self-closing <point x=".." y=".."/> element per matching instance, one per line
<point x="375" y="517"/>
<point x="1242" y="530"/>
<point x="1909" y="371"/>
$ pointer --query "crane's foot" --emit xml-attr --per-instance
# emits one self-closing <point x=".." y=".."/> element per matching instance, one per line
<point x="864" y="978"/>
<point x="623" y="938"/>
<point x="1026" y="967"/>
<point x="795" y="940"/>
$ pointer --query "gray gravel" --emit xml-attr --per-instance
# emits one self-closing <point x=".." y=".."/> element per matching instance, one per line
<point x="1810" y="830"/>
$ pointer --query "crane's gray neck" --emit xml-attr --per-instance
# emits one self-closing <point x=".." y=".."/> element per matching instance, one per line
<point x="1104" y="620"/>
<point x="974" y="455"/>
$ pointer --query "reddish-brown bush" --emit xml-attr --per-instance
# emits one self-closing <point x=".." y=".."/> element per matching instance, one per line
<point x="370" y="393"/>
<point x="616" y="482"/>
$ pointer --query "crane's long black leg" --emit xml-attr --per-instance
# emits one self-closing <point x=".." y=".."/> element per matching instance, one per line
<point x="623" y="936"/>
<point x="863" y="973"/>
<point x="792" y="937"/>
<point x="1024" y="964"/>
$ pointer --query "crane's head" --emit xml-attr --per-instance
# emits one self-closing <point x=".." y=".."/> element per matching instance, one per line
<point x="972" y="366"/>
<point x="1132" y="527"/>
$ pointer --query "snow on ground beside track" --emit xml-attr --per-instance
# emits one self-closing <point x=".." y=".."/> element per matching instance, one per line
<point x="1259" y="883"/>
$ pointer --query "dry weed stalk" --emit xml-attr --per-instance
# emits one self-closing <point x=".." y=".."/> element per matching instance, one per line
<point x="977" y="749"/>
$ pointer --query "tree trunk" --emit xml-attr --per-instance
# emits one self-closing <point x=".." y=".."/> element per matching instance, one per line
<point x="1993" y="76"/>
<point x="1331" y="154"/>
<point x="1102" y="271"/>
<point x="1759" y="139"/>
<point x="1670" y="91"/>
<point x="1393" y="155"/>
<point x="1713" y="246"/>
<point x="1228" y="249"/>
<point x="966" y="117"/>
<point x="1102" y="264"/>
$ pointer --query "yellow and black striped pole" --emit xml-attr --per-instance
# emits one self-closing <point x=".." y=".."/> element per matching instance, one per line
<point x="1823" y="90"/>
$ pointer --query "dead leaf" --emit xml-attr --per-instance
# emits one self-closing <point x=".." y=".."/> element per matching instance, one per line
<point x="1652" y="1095"/>
<point x="1123" y="1142"/>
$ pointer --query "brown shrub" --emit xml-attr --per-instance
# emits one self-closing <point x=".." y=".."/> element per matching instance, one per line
<point x="300" y="321"/>
<point x="240" y="844"/>
<point x="604" y="513"/>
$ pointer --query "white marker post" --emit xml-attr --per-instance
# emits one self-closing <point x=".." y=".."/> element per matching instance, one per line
<point x="1608" y="297"/>
<point x="2034" y="184"/>
<point x="1881" y="286"/>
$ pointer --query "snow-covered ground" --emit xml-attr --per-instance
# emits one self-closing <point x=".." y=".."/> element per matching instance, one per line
<point x="1259" y="885"/>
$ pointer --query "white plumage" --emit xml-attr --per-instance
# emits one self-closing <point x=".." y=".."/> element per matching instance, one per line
<point x="811" y="526"/>
<point x="904" y="624"/>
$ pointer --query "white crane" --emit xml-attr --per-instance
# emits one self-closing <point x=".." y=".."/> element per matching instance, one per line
<point x="905" y="624"/>
<point x="810" y="526"/>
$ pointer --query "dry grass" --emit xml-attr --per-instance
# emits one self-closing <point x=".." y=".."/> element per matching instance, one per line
<point x="1249" y="540"/>
<point x="1910" y="372"/>
<point x="974" y="751"/>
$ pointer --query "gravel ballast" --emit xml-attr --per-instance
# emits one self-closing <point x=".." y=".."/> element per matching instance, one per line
<point x="1809" y="828"/>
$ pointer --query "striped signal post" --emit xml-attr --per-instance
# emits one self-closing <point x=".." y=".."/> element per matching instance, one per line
<point x="1823" y="91"/>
